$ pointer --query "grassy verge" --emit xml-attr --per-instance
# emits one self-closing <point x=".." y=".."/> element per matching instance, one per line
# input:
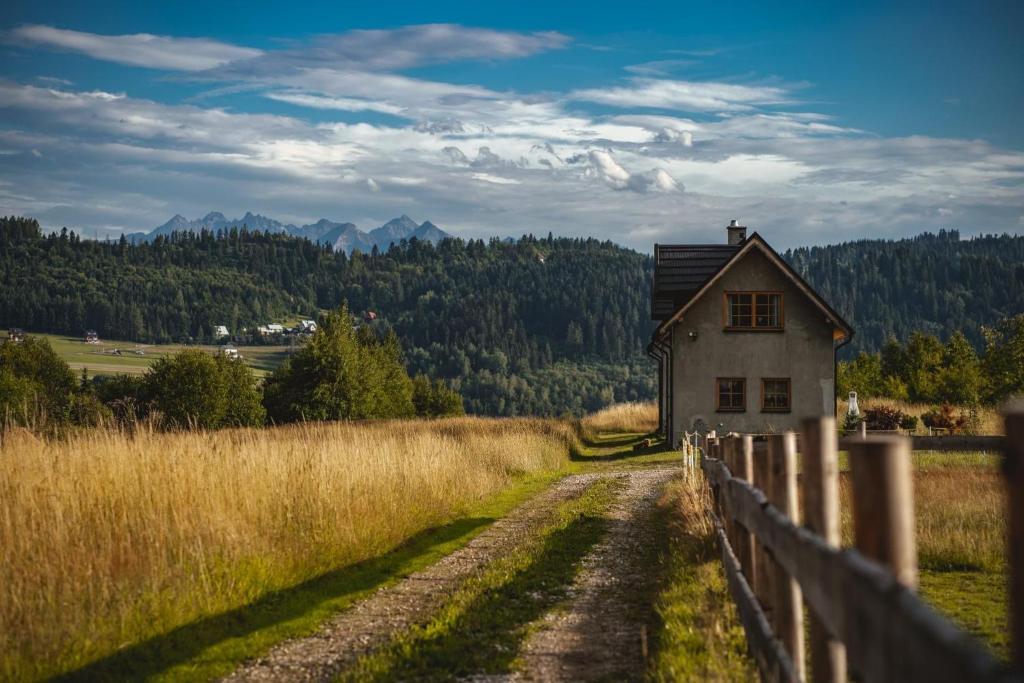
<point x="481" y="628"/>
<point x="699" y="637"/>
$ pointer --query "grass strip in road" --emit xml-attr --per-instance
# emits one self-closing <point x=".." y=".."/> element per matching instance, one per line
<point x="215" y="646"/>
<point x="699" y="636"/>
<point x="480" y="630"/>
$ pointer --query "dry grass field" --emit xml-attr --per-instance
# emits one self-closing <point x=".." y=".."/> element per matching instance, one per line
<point x="108" y="539"/>
<point x="630" y="418"/>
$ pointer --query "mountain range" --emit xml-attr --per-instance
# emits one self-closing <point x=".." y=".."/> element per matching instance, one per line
<point x="344" y="237"/>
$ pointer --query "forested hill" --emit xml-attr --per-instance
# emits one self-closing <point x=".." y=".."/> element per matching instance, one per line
<point x="538" y="326"/>
<point x="933" y="283"/>
<point x="541" y="326"/>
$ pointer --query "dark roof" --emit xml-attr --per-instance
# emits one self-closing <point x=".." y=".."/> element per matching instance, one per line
<point x="843" y="330"/>
<point x="680" y="270"/>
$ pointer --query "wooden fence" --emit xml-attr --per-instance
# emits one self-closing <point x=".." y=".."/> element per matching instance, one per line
<point x="866" y="619"/>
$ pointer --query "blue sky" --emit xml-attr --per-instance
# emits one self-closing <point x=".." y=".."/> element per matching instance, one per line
<point x="657" y="122"/>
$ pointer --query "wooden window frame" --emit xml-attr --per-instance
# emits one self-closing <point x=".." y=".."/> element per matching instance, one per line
<point x="718" y="395"/>
<point x="789" y="395"/>
<point x="754" y="327"/>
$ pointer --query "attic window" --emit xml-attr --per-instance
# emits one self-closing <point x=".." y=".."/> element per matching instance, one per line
<point x="753" y="311"/>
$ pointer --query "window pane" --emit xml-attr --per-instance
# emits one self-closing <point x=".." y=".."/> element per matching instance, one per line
<point x="731" y="394"/>
<point x="740" y="310"/>
<point x="767" y="310"/>
<point x="776" y="394"/>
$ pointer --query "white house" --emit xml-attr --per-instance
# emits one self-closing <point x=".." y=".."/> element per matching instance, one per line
<point x="307" y="326"/>
<point x="220" y="331"/>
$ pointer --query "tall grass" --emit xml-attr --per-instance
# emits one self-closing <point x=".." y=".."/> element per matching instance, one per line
<point x="636" y="418"/>
<point x="108" y="539"/>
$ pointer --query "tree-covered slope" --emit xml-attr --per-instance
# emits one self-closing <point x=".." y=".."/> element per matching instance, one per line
<point x="540" y="326"/>
<point x="932" y="283"/>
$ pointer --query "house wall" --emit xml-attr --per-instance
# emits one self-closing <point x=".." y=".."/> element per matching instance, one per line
<point x="803" y="351"/>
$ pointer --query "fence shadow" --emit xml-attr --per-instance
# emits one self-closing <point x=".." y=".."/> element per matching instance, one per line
<point x="155" y="655"/>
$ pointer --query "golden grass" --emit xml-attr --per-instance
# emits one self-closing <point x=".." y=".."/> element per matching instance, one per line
<point x="989" y="419"/>
<point x="959" y="512"/>
<point x="634" y="418"/>
<point x="108" y="539"/>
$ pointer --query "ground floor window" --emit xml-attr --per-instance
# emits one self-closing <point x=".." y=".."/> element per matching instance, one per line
<point x="732" y="394"/>
<point x="775" y="394"/>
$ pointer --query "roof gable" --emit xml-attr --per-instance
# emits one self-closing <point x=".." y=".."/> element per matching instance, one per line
<point x="755" y="241"/>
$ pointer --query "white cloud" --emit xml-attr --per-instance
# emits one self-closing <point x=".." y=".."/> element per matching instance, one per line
<point x="494" y="179"/>
<point x="685" y="95"/>
<point x="611" y="172"/>
<point x="139" y="49"/>
<point x="341" y="103"/>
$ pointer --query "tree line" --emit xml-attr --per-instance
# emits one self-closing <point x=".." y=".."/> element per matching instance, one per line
<point x="343" y="372"/>
<point x="927" y="370"/>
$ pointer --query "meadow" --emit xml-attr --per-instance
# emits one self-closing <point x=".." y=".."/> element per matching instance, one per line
<point x="109" y="539"/>
<point x="135" y="358"/>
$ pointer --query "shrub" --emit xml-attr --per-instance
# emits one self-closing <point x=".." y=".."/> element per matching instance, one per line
<point x="908" y="422"/>
<point x="435" y="399"/>
<point x="884" y="418"/>
<point x="943" y="417"/>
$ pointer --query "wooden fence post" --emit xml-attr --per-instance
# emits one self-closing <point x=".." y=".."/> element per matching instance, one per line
<point x="763" y="574"/>
<point x="743" y="457"/>
<point x="883" y="504"/>
<point x="788" y="603"/>
<point x="820" y="486"/>
<point x="1013" y="467"/>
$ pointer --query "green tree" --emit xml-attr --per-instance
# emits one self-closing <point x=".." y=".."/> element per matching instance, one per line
<point x="195" y="389"/>
<point x="340" y="374"/>
<point x="434" y="398"/>
<point x="959" y="380"/>
<point x="1003" y="364"/>
<point x="37" y="387"/>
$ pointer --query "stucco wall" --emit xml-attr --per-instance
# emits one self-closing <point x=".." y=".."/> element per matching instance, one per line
<point x="803" y="352"/>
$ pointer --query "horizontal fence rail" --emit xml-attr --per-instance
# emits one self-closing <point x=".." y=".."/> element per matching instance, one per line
<point x="864" y="613"/>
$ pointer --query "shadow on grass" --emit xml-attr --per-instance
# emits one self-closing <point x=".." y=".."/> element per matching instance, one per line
<point x="658" y="446"/>
<point x="483" y="635"/>
<point x="156" y="655"/>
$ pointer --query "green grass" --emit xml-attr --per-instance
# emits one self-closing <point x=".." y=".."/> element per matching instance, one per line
<point x="976" y="600"/>
<point x="215" y="646"/>
<point x="699" y="636"/>
<point x="480" y="630"/>
<point x="98" y="359"/>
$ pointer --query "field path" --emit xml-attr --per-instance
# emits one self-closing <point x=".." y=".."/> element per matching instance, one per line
<point x="372" y="622"/>
<point x="597" y="633"/>
<point x="601" y="633"/>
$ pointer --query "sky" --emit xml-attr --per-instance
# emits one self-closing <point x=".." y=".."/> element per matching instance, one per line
<point x="640" y="123"/>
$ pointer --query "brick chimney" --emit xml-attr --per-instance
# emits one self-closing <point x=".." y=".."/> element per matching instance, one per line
<point x="737" y="233"/>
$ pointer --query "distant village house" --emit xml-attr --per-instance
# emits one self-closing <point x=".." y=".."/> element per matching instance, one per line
<point x="743" y="343"/>
<point x="220" y="331"/>
<point x="91" y="337"/>
<point x="16" y="335"/>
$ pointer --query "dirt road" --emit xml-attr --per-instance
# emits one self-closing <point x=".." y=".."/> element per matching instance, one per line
<point x="597" y="633"/>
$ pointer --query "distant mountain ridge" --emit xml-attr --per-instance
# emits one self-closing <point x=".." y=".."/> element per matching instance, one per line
<point x="344" y="237"/>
